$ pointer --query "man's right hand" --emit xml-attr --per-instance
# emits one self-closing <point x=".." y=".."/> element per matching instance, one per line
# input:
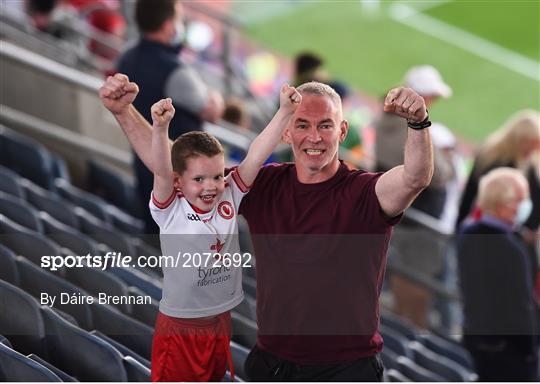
<point x="117" y="93"/>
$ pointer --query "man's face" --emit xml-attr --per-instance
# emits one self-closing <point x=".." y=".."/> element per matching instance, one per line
<point x="315" y="132"/>
<point x="202" y="182"/>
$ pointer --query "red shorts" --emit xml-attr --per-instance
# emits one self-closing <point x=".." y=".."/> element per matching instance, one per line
<point x="191" y="349"/>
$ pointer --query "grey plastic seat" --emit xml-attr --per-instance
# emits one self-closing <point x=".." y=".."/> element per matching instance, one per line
<point x="239" y="356"/>
<point x="10" y="183"/>
<point x="83" y="199"/>
<point x="25" y="242"/>
<point x="415" y="372"/>
<point x="36" y="280"/>
<point x="96" y="281"/>
<point x="80" y="354"/>
<point x="61" y="374"/>
<point x="446" y="368"/>
<point x="43" y="200"/>
<point x="394" y="376"/>
<point x="124" y="329"/>
<point x="448" y="349"/>
<point x="250" y="286"/>
<point x="5" y="341"/>
<point x="19" y="211"/>
<point x="136" y="372"/>
<point x="20" y="320"/>
<point x="27" y="157"/>
<point x="145" y="313"/>
<point x="399" y="325"/>
<point x="395" y="341"/>
<point x="244" y="330"/>
<point x="66" y="236"/>
<point x="8" y="266"/>
<point x="389" y="358"/>
<point x="125" y="351"/>
<point x="17" y="367"/>
<point x="136" y="278"/>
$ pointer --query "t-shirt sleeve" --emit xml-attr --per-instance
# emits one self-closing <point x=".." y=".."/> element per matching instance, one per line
<point x="366" y="201"/>
<point x="238" y="188"/>
<point x="163" y="211"/>
<point x="187" y="90"/>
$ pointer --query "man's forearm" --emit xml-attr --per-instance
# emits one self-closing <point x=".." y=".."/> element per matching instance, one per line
<point x="138" y="132"/>
<point x="418" y="161"/>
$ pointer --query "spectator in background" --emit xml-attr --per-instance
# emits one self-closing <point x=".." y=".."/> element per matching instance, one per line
<point x="412" y="300"/>
<point x="500" y="322"/>
<point x="154" y="64"/>
<point x="308" y="66"/>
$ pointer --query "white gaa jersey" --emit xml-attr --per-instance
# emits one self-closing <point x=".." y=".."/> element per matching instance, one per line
<point x="198" y="286"/>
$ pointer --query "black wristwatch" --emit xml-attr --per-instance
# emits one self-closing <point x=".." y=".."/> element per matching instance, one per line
<point x="421" y="125"/>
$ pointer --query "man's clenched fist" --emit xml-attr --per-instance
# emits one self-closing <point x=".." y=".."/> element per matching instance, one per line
<point x="406" y="103"/>
<point x="117" y="93"/>
<point x="289" y="98"/>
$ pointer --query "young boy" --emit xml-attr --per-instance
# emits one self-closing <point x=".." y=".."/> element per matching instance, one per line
<point x="195" y="207"/>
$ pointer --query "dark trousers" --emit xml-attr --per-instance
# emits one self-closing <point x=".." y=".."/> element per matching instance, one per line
<point x="502" y="358"/>
<point x="263" y="366"/>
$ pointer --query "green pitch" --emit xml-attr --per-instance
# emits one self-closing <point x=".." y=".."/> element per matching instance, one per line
<point x="488" y="51"/>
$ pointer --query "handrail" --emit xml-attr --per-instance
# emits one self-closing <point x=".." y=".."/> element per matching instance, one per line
<point x="60" y="71"/>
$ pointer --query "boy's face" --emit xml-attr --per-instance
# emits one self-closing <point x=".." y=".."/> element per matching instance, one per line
<point x="202" y="182"/>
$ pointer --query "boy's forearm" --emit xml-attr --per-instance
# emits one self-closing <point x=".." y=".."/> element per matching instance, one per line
<point x="161" y="153"/>
<point x="264" y="144"/>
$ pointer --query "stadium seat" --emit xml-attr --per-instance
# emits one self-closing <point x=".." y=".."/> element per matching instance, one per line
<point x="247" y="308"/>
<point x="395" y="341"/>
<point x="67" y="237"/>
<point x="250" y="286"/>
<point x="112" y="187"/>
<point x="125" y="351"/>
<point x="61" y="374"/>
<point x="399" y="325"/>
<point x="144" y="249"/>
<point x="136" y="372"/>
<point x="36" y="280"/>
<point x="19" y="211"/>
<point x="145" y="313"/>
<point x="239" y="356"/>
<point x="244" y="330"/>
<point x="25" y="242"/>
<point x="228" y="379"/>
<point x="27" y="157"/>
<point x="10" y="183"/>
<point x="5" y="341"/>
<point x="95" y="281"/>
<point x="80" y="354"/>
<point x="394" y="376"/>
<point x="389" y="358"/>
<point x="104" y="233"/>
<point x="446" y="368"/>
<point x="448" y="349"/>
<point x="59" y="168"/>
<point x="8" y="266"/>
<point x="136" y="278"/>
<point x="85" y="200"/>
<point x="17" y="367"/>
<point x="20" y="320"/>
<point x="43" y="200"/>
<point x="415" y="372"/>
<point x="122" y="328"/>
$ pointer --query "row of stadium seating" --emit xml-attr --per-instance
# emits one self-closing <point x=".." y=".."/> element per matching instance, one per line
<point x="101" y="342"/>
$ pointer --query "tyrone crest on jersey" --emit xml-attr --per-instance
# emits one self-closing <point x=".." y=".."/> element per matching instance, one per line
<point x="225" y="210"/>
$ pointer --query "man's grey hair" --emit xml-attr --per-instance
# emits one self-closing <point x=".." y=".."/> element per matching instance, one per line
<point x="316" y="88"/>
<point x="500" y="186"/>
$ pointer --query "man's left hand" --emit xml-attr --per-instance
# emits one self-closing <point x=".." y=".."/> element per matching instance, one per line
<point x="406" y="103"/>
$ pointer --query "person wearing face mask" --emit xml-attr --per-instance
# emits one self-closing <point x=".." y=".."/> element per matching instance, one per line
<point x="500" y="313"/>
<point x="155" y="65"/>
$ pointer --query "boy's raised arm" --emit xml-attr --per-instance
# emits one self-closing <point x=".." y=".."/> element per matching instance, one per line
<point x="162" y="113"/>
<point x="265" y="143"/>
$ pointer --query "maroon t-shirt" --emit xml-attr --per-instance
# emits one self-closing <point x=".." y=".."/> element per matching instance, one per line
<point x="321" y="254"/>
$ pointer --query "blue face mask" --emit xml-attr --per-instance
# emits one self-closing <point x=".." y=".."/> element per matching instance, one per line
<point x="523" y="212"/>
